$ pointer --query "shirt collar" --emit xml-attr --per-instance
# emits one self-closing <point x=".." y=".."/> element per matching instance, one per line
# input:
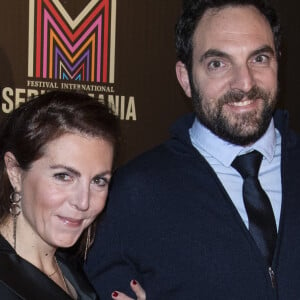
<point x="226" y="152"/>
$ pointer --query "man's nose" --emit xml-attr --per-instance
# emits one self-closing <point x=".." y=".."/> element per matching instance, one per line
<point x="242" y="78"/>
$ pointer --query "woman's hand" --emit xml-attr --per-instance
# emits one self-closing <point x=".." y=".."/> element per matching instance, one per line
<point x="136" y="287"/>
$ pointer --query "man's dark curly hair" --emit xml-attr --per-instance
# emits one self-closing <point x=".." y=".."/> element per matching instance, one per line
<point x="192" y="12"/>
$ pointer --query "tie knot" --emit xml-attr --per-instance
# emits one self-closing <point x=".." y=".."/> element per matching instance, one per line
<point x="248" y="164"/>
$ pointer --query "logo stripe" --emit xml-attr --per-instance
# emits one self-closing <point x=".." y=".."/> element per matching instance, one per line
<point x="88" y="32"/>
<point x="113" y="41"/>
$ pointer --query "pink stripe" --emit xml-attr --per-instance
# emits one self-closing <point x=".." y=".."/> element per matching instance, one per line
<point x="99" y="60"/>
<point x="97" y="23"/>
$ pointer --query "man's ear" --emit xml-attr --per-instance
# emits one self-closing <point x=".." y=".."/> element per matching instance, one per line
<point x="183" y="78"/>
<point x="13" y="170"/>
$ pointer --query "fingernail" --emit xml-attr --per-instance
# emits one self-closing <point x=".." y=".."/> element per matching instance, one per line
<point x="134" y="282"/>
<point x="115" y="294"/>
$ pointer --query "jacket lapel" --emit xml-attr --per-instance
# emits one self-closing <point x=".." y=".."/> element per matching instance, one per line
<point x="26" y="280"/>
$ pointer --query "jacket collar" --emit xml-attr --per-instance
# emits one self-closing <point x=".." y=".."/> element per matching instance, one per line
<point x="26" y="280"/>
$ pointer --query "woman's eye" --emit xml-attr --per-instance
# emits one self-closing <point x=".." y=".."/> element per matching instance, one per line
<point x="62" y="177"/>
<point x="100" y="181"/>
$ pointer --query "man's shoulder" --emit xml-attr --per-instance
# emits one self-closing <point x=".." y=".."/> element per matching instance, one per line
<point x="290" y="138"/>
<point x="151" y="158"/>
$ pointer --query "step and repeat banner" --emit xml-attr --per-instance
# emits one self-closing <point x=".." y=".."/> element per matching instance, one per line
<point x="118" y="51"/>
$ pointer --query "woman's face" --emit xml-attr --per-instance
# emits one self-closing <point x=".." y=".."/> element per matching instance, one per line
<point x="64" y="190"/>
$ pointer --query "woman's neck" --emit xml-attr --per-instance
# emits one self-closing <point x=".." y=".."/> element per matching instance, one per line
<point x="29" y="245"/>
<point x="36" y="251"/>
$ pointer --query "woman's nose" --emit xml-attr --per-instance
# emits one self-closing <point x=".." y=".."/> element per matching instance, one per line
<point x="81" y="199"/>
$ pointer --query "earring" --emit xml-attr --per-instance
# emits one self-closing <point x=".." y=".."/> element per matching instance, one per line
<point x="87" y="242"/>
<point x="15" y="210"/>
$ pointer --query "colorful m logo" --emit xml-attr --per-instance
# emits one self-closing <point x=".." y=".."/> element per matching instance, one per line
<point x="66" y="49"/>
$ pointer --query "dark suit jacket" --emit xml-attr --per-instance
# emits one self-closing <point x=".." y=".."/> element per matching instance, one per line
<point x="19" y="279"/>
<point x="171" y="225"/>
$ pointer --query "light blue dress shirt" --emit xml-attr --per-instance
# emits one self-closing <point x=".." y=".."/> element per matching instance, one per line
<point x="220" y="154"/>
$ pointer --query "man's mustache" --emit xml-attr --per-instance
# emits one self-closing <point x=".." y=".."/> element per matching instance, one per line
<point x="237" y="95"/>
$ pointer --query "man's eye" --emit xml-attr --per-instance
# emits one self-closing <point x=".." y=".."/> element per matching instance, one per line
<point x="215" y="64"/>
<point x="262" y="59"/>
<point x="62" y="177"/>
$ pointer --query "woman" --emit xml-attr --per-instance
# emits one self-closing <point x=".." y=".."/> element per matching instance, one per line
<point x="56" y="163"/>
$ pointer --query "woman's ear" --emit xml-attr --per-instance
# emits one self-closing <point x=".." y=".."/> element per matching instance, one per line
<point x="183" y="78"/>
<point x="13" y="170"/>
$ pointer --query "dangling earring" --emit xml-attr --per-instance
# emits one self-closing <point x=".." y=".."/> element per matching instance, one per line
<point x="87" y="242"/>
<point x="15" y="210"/>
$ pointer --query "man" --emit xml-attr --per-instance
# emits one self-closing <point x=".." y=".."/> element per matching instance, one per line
<point x="178" y="219"/>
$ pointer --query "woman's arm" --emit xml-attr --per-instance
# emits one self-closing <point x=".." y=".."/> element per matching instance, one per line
<point x="136" y="287"/>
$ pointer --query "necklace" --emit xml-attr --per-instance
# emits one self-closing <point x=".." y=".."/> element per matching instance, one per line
<point x="66" y="287"/>
<point x="52" y="273"/>
<point x="56" y="268"/>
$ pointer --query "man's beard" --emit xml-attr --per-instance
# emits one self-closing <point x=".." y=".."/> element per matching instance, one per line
<point x="240" y="129"/>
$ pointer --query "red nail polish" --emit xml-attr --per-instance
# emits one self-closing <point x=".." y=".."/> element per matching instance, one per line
<point x="115" y="294"/>
<point x="134" y="282"/>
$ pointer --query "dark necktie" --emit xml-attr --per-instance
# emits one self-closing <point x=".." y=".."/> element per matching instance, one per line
<point x="262" y="224"/>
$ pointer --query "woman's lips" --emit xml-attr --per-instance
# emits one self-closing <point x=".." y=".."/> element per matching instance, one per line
<point x="70" y="221"/>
